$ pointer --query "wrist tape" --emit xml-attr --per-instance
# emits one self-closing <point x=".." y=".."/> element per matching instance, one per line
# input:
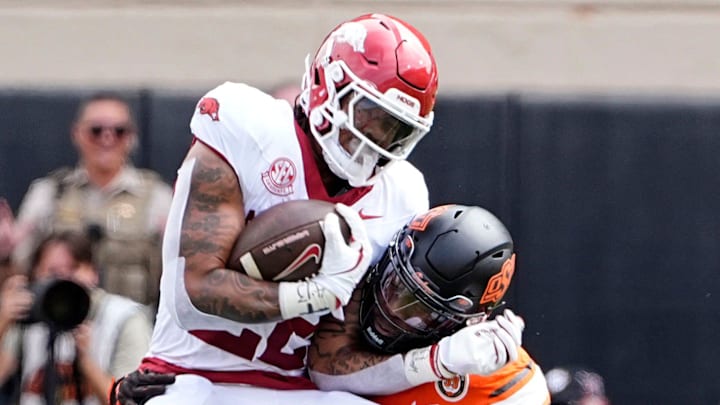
<point x="113" y="392"/>
<point x="423" y="366"/>
<point x="304" y="297"/>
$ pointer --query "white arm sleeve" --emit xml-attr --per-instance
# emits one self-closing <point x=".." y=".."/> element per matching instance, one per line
<point x="384" y="378"/>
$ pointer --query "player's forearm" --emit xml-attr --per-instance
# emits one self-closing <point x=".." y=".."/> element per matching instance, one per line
<point x="238" y="297"/>
<point x="383" y="378"/>
<point x="345" y="360"/>
<point x="235" y="296"/>
<point x="337" y="360"/>
<point x="387" y="375"/>
<point x="338" y="348"/>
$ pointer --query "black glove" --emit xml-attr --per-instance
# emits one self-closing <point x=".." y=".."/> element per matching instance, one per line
<point x="138" y="387"/>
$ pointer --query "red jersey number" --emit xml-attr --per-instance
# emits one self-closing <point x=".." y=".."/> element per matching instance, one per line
<point x="245" y="345"/>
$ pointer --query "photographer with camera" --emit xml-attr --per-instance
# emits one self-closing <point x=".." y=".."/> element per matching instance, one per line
<point x="64" y="339"/>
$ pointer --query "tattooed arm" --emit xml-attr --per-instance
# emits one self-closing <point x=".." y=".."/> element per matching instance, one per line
<point x="214" y="217"/>
<point x="338" y="347"/>
<point x="340" y="360"/>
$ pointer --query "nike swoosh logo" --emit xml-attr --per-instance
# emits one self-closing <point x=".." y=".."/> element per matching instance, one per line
<point x="367" y="216"/>
<point x="311" y="252"/>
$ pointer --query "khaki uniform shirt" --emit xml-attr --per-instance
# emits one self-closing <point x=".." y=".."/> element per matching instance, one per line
<point x="127" y="217"/>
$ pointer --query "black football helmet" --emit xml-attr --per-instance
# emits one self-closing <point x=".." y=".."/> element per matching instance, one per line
<point x="448" y="267"/>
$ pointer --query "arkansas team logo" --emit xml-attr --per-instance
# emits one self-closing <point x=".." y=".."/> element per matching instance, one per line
<point x="499" y="283"/>
<point x="279" y="178"/>
<point x="453" y="389"/>
<point x="211" y="107"/>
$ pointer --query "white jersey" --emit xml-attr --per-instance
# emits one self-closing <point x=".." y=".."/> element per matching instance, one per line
<point x="272" y="157"/>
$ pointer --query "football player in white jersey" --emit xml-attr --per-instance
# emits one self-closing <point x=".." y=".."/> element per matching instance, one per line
<point x="416" y="331"/>
<point x="367" y="99"/>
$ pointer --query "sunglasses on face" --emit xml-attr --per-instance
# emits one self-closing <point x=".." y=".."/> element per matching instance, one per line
<point x="119" y="131"/>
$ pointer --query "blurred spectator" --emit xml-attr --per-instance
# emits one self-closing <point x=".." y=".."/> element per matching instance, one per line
<point x="10" y="234"/>
<point x="109" y="343"/>
<point x="576" y="386"/>
<point x="119" y="206"/>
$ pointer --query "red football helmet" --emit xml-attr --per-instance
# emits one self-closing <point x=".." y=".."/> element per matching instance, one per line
<point x="374" y="78"/>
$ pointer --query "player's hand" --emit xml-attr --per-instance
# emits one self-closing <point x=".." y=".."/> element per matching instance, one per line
<point x="343" y="264"/>
<point x="138" y="387"/>
<point x="482" y="348"/>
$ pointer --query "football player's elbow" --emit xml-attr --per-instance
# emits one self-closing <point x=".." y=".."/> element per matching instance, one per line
<point x="195" y="287"/>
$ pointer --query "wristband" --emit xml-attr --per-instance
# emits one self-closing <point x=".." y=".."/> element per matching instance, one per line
<point x="112" y="394"/>
<point x="304" y="297"/>
<point x="422" y="366"/>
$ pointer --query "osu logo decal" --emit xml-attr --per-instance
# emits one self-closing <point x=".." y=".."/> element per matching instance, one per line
<point x="279" y="178"/>
<point x="453" y="389"/>
<point x="211" y="107"/>
<point x="499" y="283"/>
<point x="419" y="223"/>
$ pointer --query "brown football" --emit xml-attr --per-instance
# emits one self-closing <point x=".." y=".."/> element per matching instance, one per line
<point x="284" y="242"/>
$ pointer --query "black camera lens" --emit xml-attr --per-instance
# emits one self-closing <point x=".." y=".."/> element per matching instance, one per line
<point x="62" y="304"/>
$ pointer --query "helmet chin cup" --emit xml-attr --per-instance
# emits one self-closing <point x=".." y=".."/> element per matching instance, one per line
<point x="339" y="118"/>
<point x="342" y="165"/>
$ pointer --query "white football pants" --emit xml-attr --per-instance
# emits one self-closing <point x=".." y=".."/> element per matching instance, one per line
<point x="190" y="389"/>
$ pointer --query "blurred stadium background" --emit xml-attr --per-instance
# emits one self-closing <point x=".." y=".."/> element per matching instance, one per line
<point x="592" y="128"/>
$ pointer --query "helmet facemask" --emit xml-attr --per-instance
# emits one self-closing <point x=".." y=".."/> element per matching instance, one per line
<point x="360" y="129"/>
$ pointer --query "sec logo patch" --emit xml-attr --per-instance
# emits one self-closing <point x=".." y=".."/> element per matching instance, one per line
<point x="279" y="178"/>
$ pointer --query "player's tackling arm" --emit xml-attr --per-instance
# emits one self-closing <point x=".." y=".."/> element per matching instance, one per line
<point x="338" y="359"/>
<point x="337" y="346"/>
<point x="214" y="217"/>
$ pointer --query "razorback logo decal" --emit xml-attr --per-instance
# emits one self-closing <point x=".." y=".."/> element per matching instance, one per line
<point x="312" y="252"/>
<point x="498" y="284"/>
<point x="419" y="222"/>
<point x="211" y="107"/>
